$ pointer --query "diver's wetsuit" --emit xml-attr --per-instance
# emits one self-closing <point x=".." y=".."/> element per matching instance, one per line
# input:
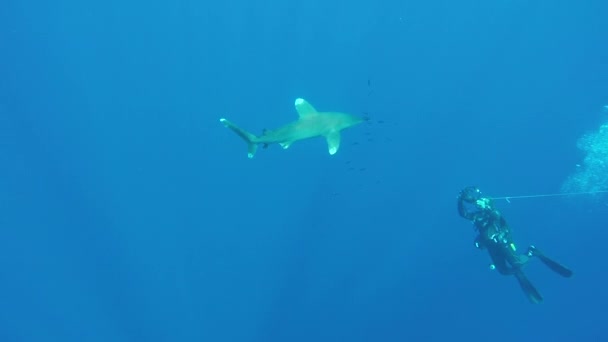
<point x="495" y="237"/>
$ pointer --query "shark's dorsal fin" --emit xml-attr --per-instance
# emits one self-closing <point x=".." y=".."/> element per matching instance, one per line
<point x="333" y="142"/>
<point x="304" y="108"/>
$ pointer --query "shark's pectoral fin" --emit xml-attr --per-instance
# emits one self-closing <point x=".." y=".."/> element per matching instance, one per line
<point x="285" y="145"/>
<point x="333" y="142"/>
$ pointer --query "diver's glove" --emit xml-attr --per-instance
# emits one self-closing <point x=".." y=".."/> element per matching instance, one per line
<point x="483" y="203"/>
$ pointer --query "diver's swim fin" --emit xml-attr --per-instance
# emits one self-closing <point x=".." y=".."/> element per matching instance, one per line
<point x="556" y="267"/>
<point x="529" y="289"/>
<point x="552" y="264"/>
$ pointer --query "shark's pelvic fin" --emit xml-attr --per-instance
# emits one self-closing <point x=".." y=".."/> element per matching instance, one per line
<point x="251" y="139"/>
<point x="333" y="142"/>
<point x="304" y="108"/>
<point x="285" y="145"/>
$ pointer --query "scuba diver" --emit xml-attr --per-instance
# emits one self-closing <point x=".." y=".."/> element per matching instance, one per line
<point x="495" y="237"/>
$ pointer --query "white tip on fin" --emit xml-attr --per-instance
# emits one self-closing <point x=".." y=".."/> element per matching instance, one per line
<point x="304" y="108"/>
<point x="333" y="142"/>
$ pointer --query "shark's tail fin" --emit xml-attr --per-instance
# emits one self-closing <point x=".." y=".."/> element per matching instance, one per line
<point x="251" y="139"/>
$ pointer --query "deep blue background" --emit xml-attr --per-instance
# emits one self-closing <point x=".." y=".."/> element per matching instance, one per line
<point x="128" y="213"/>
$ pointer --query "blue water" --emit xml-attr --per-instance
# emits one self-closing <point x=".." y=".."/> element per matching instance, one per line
<point x="129" y="213"/>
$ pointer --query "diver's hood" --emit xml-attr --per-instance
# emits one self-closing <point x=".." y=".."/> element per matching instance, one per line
<point x="470" y="194"/>
<point x="469" y="198"/>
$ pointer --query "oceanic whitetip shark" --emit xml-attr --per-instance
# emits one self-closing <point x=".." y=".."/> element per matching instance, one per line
<point x="310" y="124"/>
